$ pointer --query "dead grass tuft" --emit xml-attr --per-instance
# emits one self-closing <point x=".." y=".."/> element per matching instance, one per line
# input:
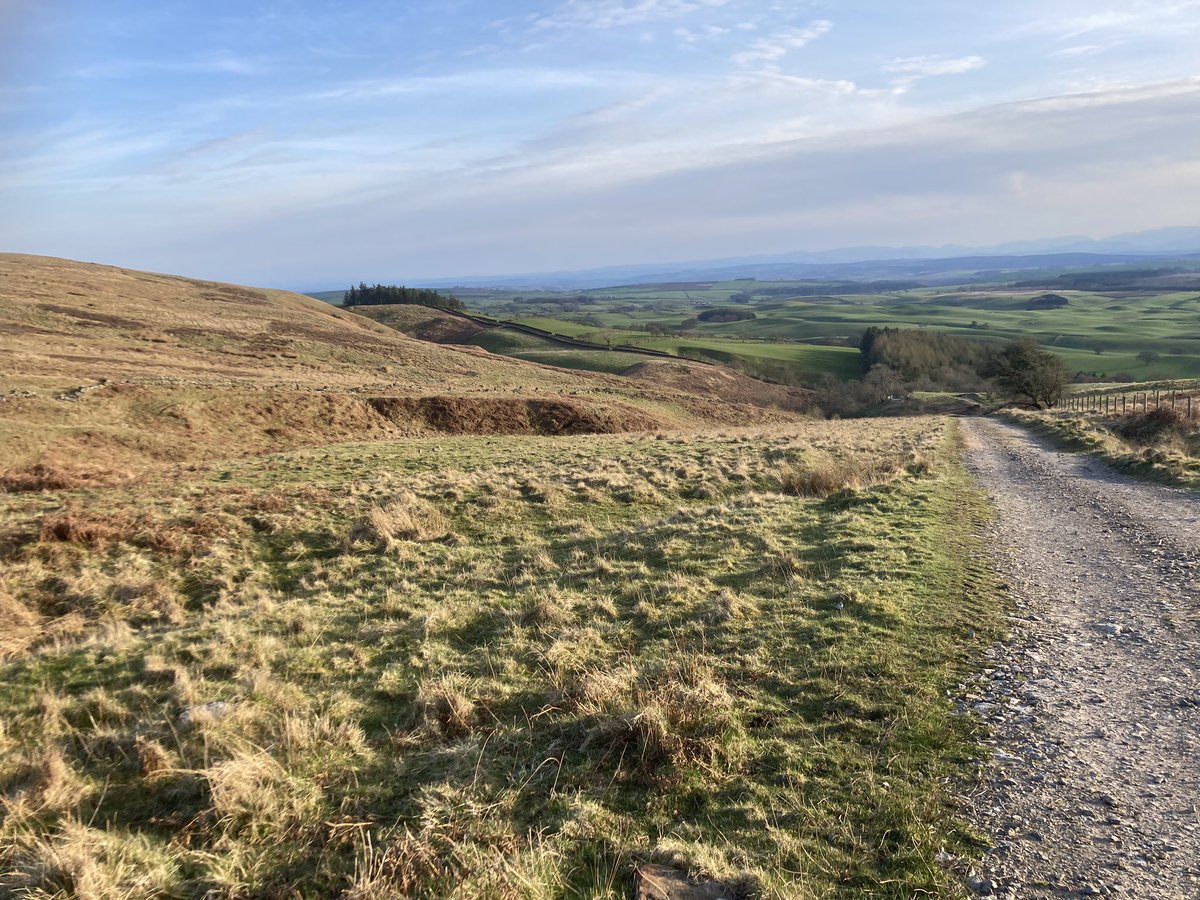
<point x="19" y="625"/>
<point x="822" y="479"/>
<point x="48" y="783"/>
<point x="89" y="864"/>
<point x="99" y="530"/>
<point x="445" y="706"/>
<point x="253" y="791"/>
<point x="679" y="712"/>
<point x="49" y="476"/>
<point x="407" y="518"/>
<point x="1153" y="427"/>
<point x="153" y="758"/>
<point x="546" y="611"/>
<point x="728" y="606"/>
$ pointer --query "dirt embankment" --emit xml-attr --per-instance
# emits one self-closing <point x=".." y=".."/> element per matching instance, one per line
<point x="471" y="415"/>
<point x="104" y="433"/>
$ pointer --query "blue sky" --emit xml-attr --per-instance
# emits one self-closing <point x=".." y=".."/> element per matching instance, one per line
<point x="305" y="144"/>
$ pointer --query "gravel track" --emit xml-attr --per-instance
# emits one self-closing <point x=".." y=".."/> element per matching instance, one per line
<point x="1093" y="704"/>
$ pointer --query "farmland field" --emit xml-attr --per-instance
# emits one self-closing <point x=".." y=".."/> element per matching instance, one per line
<point x="1096" y="333"/>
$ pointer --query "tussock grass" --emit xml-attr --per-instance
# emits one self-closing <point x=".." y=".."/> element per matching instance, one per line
<point x="829" y="476"/>
<point x="58" y="476"/>
<point x="503" y="667"/>
<point x="407" y="518"/>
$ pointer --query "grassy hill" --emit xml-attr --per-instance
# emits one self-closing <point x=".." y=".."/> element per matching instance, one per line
<point x="106" y="367"/>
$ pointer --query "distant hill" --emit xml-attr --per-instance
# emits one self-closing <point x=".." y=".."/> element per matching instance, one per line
<point x="933" y="265"/>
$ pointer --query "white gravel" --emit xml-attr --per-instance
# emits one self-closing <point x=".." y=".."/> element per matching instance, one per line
<point x="1093" y="704"/>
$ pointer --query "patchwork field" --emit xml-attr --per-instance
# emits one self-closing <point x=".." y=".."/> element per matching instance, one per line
<point x="497" y="666"/>
<point x="1097" y="333"/>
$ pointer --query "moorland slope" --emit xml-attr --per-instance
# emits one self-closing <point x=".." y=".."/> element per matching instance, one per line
<point x="104" y="367"/>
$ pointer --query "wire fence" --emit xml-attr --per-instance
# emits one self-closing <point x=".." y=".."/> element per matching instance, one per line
<point x="1126" y="402"/>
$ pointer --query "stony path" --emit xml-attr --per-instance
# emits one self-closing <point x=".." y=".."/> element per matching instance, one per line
<point x="1094" y="703"/>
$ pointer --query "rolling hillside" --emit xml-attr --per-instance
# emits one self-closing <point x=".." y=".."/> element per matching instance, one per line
<point x="105" y="367"/>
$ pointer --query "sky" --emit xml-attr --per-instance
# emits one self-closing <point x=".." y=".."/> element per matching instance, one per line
<point x="307" y="145"/>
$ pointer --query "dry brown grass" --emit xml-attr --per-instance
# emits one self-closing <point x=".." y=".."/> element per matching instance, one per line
<point x="678" y="712"/>
<point x="406" y="518"/>
<point x="59" y="476"/>
<point x="253" y="790"/>
<point x="820" y="479"/>
<point x="98" y="530"/>
<point x="118" y="369"/>
<point x="445" y="705"/>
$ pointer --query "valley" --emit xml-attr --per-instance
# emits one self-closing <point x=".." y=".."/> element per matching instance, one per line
<point x="797" y="332"/>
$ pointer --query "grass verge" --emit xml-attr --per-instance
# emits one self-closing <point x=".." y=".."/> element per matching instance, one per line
<point x="1158" y="446"/>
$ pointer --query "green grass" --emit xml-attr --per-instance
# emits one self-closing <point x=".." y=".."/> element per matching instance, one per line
<point x="499" y="667"/>
<point x="785" y="362"/>
<point x="1118" y="325"/>
<point x="529" y="347"/>
<point x="589" y="360"/>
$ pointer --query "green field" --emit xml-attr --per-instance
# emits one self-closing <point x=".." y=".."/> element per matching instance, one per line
<point x="1097" y="333"/>
<point x="540" y="350"/>
<point x="776" y="361"/>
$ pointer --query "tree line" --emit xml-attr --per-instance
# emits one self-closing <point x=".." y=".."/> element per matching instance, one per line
<point x="382" y="294"/>
<point x="898" y="361"/>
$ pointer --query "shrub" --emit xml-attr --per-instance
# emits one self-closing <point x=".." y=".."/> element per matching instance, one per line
<point x="1152" y="427"/>
<point x="725" y="314"/>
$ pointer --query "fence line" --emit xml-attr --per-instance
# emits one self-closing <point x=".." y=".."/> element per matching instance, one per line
<point x="1122" y="404"/>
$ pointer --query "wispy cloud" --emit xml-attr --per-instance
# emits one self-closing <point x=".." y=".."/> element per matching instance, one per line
<point x="907" y="71"/>
<point x="484" y="80"/>
<point x="567" y="114"/>
<point x="925" y="66"/>
<point x="1131" y="17"/>
<point x="604" y="14"/>
<point x="779" y="44"/>
<point x="223" y="64"/>
<point x="1078" y="51"/>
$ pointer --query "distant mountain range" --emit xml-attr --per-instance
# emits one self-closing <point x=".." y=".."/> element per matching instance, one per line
<point x="1164" y="247"/>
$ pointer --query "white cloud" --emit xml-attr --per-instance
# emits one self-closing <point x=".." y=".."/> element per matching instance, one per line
<point x="777" y="45"/>
<point x="912" y="69"/>
<point x="705" y="33"/>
